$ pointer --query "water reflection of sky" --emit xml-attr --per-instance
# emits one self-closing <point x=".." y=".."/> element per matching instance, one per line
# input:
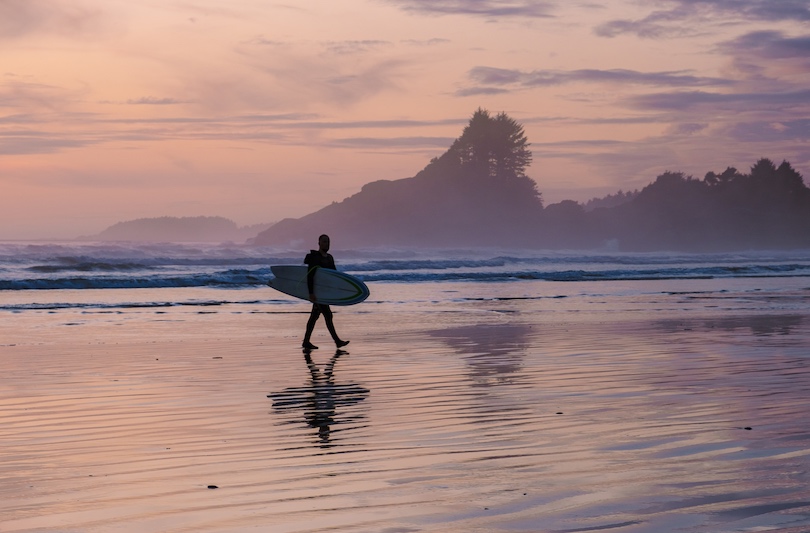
<point x="494" y="353"/>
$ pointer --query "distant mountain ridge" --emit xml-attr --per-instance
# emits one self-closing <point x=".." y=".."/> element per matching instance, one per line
<point x="178" y="229"/>
<point x="477" y="194"/>
<point x="465" y="198"/>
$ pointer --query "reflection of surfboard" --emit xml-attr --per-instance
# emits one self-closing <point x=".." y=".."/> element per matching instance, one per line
<point x="328" y="394"/>
<point x="331" y="287"/>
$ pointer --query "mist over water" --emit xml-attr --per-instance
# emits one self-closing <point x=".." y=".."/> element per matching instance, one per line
<point x="176" y="265"/>
<point x="130" y="266"/>
<point x="114" y="275"/>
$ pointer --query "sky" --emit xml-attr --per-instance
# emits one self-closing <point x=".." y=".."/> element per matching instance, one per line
<point x="258" y="110"/>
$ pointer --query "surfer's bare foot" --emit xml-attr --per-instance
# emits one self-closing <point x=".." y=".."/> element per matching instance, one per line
<point x="309" y="346"/>
<point x="341" y="344"/>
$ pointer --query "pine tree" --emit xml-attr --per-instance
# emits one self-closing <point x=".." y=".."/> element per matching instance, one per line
<point x="492" y="146"/>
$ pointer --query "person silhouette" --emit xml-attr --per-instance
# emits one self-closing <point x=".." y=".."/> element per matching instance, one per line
<point x="315" y="259"/>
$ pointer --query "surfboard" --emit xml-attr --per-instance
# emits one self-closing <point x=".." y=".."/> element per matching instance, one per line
<point x="331" y="287"/>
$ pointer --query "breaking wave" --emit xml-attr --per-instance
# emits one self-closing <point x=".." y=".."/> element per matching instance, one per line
<point x="129" y="266"/>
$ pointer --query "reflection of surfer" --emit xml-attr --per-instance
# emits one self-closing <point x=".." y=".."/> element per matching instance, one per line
<point x="321" y="398"/>
<point x="320" y="258"/>
<point x="321" y="413"/>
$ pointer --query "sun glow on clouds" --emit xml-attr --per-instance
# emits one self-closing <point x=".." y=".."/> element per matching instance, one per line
<point x="111" y="110"/>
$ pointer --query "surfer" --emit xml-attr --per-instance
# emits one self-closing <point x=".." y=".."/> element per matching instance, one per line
<point x="320" y="258"/>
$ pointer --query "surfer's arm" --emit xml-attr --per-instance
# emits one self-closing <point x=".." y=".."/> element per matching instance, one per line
<point x="312" y="264"/>
<point x="311" y="282"/>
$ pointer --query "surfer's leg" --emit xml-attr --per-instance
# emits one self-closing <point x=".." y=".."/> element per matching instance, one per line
<point x="330" y="325"/>
<point x="313" y="318"/>
<point x="327" y="316"/>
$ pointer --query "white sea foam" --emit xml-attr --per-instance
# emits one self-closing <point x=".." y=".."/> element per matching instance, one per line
<point x="81" y="266"/>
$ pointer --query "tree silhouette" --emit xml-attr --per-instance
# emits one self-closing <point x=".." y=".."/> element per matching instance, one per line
<point x="768" y="208"/>
<point x="611" y="200"/>
<point x="721" y="180"/>
<point x="496" y="147"/>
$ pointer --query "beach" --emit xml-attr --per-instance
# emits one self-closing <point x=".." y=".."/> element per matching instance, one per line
<point x="676" y="405"/>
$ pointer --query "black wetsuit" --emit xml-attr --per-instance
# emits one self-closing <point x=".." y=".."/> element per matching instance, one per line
<point x="315" y="260"/>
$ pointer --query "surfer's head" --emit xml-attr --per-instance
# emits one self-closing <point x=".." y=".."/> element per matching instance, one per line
<point x="323" y="243"/>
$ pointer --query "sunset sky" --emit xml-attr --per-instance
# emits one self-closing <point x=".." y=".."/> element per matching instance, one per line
<point x="257" y="110"/>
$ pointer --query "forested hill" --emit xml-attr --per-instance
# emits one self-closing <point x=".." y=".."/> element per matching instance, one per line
<point x="477" y="194"/>
<point x="766" y="208"/>
<point x="178" y="229"/>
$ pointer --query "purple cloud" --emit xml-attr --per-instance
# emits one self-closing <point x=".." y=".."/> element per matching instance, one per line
<point x="18" y="143"/>
<point x="354" y="47"/>
<point x="393" y="142"/>
<point x="680" y="16"/>
<point x="768" y="45"/>
<point x="773" y="131"/>
<point x="152" y="100"/>
<point x="487" y="8"/>
<point x="491" y="80"/>
<point x="683" y="101"/>
<point x="19" y="18"/>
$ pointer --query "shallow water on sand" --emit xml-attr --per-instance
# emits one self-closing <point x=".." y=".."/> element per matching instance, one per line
<point x="456" y="408"/>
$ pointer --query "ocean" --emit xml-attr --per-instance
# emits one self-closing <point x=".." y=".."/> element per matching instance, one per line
<point x="90" y="284"/>
<point x="63" y="268"/>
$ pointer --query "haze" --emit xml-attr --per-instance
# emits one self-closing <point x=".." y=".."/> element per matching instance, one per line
<point x="256" y="111"/>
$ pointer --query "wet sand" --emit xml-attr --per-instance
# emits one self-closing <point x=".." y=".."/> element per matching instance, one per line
<point x="500" y="415"/>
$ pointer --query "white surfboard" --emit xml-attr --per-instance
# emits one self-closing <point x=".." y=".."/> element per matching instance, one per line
<point x="331" y="287"/>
